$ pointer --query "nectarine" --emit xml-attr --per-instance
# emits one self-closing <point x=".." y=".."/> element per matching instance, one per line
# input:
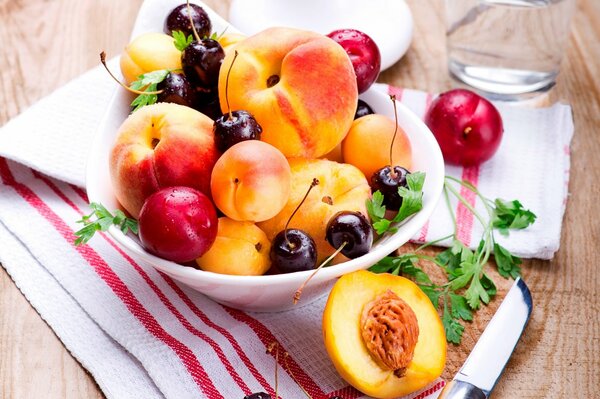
<point x="149" y="52"/>
<point x="161" y="145"/>
<point x="299" y="85"/>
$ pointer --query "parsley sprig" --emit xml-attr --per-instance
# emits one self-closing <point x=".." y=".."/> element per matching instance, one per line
<point x="100" y="220"/>
<point x="468" y="285"/>
<point x="148" y="83"/>
<point x="412" y="202"/>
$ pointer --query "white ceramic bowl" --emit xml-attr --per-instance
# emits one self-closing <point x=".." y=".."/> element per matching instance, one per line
<point x="272" y="292"/>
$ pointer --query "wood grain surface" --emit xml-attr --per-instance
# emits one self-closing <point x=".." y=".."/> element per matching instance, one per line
<point x="44" y="44"/>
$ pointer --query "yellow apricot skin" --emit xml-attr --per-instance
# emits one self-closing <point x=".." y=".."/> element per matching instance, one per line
<point x="348" y="352"/>
<point x="241" y="248"/>
<point x="149" y="52"/>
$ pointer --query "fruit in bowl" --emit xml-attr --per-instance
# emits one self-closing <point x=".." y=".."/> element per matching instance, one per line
<point x="285" y="77"/>
<point x="188" y="145"/>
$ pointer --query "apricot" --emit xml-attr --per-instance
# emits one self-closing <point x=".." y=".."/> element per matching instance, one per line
<point x="229" y="40"/>
<point x="241" y="248"/>
<point x="367" y="144"/>
<point x="299" y="85"/>
<point x="367" y="318"/>
<point x="251" y="181"/>
<point x="149" y="52"/>
<point x="341" y="187"/>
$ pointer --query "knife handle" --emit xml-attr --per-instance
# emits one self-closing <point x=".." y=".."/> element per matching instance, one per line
<point x="461" y="390"/>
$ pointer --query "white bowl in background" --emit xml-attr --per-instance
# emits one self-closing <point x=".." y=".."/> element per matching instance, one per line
<point x="270" y="292"/>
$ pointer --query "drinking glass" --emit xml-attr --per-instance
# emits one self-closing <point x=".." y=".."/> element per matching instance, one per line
<point x="507" y="48"/>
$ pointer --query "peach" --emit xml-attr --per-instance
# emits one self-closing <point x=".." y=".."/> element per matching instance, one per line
<point x="299" y="85"/>
<point x="149" y="52"/>
<point x="161" y="145"/>
<point x="345" y="329"/>
<point x="241" y="248"/>
<point x="251" y="181"/>
<point x="341" y="187"/>
<point x="367" y="145"/>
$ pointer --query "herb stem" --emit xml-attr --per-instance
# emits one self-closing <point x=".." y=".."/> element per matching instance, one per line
<point x="449" y="205"/>
<point x="466" y="204"/>
<point x="430" y="243"/>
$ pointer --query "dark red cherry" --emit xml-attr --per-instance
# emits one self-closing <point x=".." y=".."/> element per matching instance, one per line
<point x="176" y="89"/>
<point x="258" y="395"/>
<point x="231" y="129"/>
<point x="208" y="104"/>
<point x="293" y="250"/>
<point x="201" y="62"/>
<point x="362" y="109"/>
<point x="179" y="19"/>
<point x="388" y="183"/>
<point x="351" y="228"/>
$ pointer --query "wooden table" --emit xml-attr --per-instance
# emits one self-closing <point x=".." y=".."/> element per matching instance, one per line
<point x="44" y="44"/>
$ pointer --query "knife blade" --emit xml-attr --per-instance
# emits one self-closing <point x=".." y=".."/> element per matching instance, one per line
<point x="482" y="369"/>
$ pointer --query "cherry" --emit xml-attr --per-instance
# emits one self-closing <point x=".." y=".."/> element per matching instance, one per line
<point x="362" y="109"/>
<point x="235" y="126"/>
<point x="351" y="228"/>
<point x="388" y="182"/>
<point x="179" y="19"/>
<point x="176" y="89"/>
<point x="293" y="250"/>
<point x="467" y="126"/>
<point x="258" y="395"/>
<point x="178" y="224"/>
<point x="208" y="105"/>
<point x="388" y="179"/>
<point x="201" y="61"/>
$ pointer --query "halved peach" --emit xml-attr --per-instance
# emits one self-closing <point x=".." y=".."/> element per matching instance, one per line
<point x="343" y="335"/>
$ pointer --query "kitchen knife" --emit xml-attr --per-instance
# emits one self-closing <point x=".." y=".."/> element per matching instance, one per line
<point x="478" y="376"/>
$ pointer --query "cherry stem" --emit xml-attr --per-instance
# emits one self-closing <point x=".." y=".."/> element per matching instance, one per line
<point x="235" y="54"/>
<point x="270" y="350"/>
<point x="103" y="61"/>
<point x="289" y="370"/>
<point x="326" y="261"/>
<point x="315" y="182"/>
<point x="392" y="173"/>
<point x="189" y="10"/>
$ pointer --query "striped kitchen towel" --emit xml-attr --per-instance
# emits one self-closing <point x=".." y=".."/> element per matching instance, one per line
<point x="143" y="335"/>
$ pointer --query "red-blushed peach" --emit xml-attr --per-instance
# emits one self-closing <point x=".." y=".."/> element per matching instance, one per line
<point x="367" y="144"/>
<point x="241" y="248"/>
<point x="341" y="187"/>
<point x="299" y="85"/>
<point x="251" y="181"/>
<point x="161" y="145"/>
<point x="149" y="52"/>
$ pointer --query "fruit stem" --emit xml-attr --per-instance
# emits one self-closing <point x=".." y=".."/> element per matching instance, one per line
<point x="315" y="182"/>
<point x="392" y="172"/>
<point x="270" y="350"/>
<point x="189" y="10"/>
<point x="103" y="61"/>
<point x="235" y="54"/>
<point x="289" y="370"/>
<point x="326" y="261"/>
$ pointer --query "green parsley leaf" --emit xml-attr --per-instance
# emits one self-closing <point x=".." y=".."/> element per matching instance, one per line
<point x="147" y="82"/>
<point x="432" y="293"/>
<point x="508" y="264"/>
<point x="103" y="220"/>
<point x="454" y="330"/>
<point x="459" y="307"/>
<point x="412" y="197"/>
<point x="511" y="215"/>
<point x="383" y="226"/>
<point x="181" y="41"/>
<point x="375" y="206"/>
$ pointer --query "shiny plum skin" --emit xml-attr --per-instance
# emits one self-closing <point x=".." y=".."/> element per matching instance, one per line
<point x="364" y="54"/>
<point x="178" y="224"/>
<point x="467" y="127"/>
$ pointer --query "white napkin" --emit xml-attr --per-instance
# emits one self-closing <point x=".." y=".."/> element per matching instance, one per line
<point x="142" y="335"/>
